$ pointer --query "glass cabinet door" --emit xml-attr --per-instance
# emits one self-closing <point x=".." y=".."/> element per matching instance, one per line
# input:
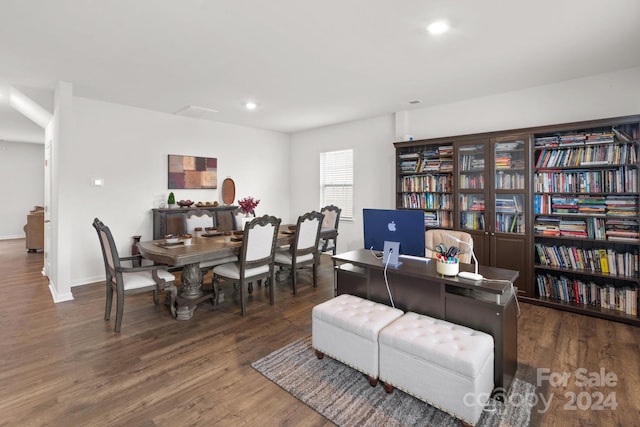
<point x="472" y="212"/>
<point x="509" y="159"/>
<point x="509" y="213"/>
<point x="509" y="180"/>
<point x="471" y="167"/>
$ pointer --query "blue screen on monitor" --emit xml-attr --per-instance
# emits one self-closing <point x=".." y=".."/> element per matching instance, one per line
<point x="403" y="226"/>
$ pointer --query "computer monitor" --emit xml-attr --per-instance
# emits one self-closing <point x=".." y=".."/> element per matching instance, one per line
<point x="403" y="226"/>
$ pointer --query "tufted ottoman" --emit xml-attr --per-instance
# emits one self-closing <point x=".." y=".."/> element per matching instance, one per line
<point x="346" y="328"/>
<point x="447" y="365"/>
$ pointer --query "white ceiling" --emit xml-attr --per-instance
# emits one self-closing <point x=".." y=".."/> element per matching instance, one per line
<point x="307" y="63"/>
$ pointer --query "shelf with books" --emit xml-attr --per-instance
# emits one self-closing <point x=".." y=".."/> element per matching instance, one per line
<point x="510" y="162"/>
<point x="573" y="186"/>
<point x="592" y="258"/>
<point x="608" y="299"/>
<point x="586" y="218"/>
<point x="425" y="181"/>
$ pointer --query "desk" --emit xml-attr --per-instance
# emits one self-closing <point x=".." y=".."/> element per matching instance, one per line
<point x="416" y="286"/>
<point x="189" y="258"/>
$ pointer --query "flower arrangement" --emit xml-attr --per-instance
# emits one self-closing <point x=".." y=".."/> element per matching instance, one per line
<point x="248" y="204"/>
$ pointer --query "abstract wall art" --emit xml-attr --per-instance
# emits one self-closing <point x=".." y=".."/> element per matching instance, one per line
<point x="192" y="172"/>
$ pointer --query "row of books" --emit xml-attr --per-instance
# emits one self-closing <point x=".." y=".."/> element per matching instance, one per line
<point x="510" y="181"/>
<point x="436" y="218"/>
<point x="509" y="204"/>
<point x="426" y="183"/>
<point x="435" y="165"/>
<point x="475" y="181"/>
<point x="408" y="166"/>
<point x="620" y="230"/>
<point x="426" y="165"/>
<point x="427" y="201"/>
<point x="441" y="151"/>
<point x="613" y="134"/>
<point x="623" y="154"/>
<point x="510" y="146"/>
<point x="470" y="220"/>
<point x="509" y="223"/>
<point x="506" y="162"/>
<point x="611" y="205"/>
<point x="619" y="180"/>
<point x="471" y="202"/>
<point x="470" y="162"/>
<point x="562" y="288"/>
<point x="595" y="260"/>
<point x="625" y="133"/>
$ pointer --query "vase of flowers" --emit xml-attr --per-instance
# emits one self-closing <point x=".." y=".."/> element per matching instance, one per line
<point x="248" y="206"/>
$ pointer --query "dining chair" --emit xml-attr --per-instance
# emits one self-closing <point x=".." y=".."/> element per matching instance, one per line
<point x="303" y="252"/>
<point x="256" y="259"/>
<point x="198" y="218"/>
<point x="129" y="280"/>
<point x="330" y="228"/>
<point x="204" y="219"/>
<point x="433" y="237"/>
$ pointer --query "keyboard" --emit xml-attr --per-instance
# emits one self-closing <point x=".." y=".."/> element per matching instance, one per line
<point x="415" y="258"/>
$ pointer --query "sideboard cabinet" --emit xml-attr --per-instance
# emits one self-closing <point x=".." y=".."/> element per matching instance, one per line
<point x="171" y="221"/>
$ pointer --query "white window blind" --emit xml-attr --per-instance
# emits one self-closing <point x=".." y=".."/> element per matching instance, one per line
<point x="336" y="181"/>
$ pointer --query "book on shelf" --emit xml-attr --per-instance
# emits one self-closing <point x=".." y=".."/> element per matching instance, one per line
<point x="445" y="150"/>
<point x="408" y="155"/>
<point x="509" y="146"/>
<point x="621" y="134"/>
<point x="604" y="263"/>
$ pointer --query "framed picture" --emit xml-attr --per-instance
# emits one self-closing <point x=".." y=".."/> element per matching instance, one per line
<point x="188" y="172"/>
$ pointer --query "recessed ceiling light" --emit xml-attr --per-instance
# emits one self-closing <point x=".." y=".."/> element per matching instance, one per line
<point x="438" y="27"/>
<point x="251" y="105"/>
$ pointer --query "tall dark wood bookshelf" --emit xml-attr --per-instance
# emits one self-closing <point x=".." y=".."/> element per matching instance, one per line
<point x="425" y="182"/>
<point x="559" y="203"/>
<point x="586" y="218"/>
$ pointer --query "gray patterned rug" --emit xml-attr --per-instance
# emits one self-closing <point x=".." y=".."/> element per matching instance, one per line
<point x="344" y="396"/>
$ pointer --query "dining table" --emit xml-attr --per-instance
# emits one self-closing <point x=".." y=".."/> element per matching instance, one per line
<point x="210" y="246"/>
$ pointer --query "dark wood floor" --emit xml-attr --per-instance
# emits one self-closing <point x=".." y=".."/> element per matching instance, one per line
<point x="62" y="364"/>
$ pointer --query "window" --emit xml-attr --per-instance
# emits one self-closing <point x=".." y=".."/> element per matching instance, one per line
<point x="336" y="181"/>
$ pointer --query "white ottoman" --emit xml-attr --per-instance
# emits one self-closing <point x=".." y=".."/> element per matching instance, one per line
<point x="346" y="328"/>
<point x="447" y="365"/>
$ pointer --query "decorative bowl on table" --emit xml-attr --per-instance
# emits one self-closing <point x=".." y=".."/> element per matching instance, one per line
<point x="170" y="239"/>
<point x="185" y="203"/>
<point x="292" y="227"/>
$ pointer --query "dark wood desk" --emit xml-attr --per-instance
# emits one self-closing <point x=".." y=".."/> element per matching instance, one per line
<point x="416" y="286"/>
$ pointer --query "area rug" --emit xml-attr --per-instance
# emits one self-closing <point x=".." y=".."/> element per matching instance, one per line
<point x="343" y="395"/>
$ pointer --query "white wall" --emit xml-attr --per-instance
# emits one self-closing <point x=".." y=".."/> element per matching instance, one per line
<point x="128" y="148"/>
<point x="373" y="163"/>
<point x="22" y="178"/>
<point x="596" y="97"/>
<point x="600" y="96"/>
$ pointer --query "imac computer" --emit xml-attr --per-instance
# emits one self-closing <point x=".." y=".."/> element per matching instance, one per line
<point x="390" y="226"/>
